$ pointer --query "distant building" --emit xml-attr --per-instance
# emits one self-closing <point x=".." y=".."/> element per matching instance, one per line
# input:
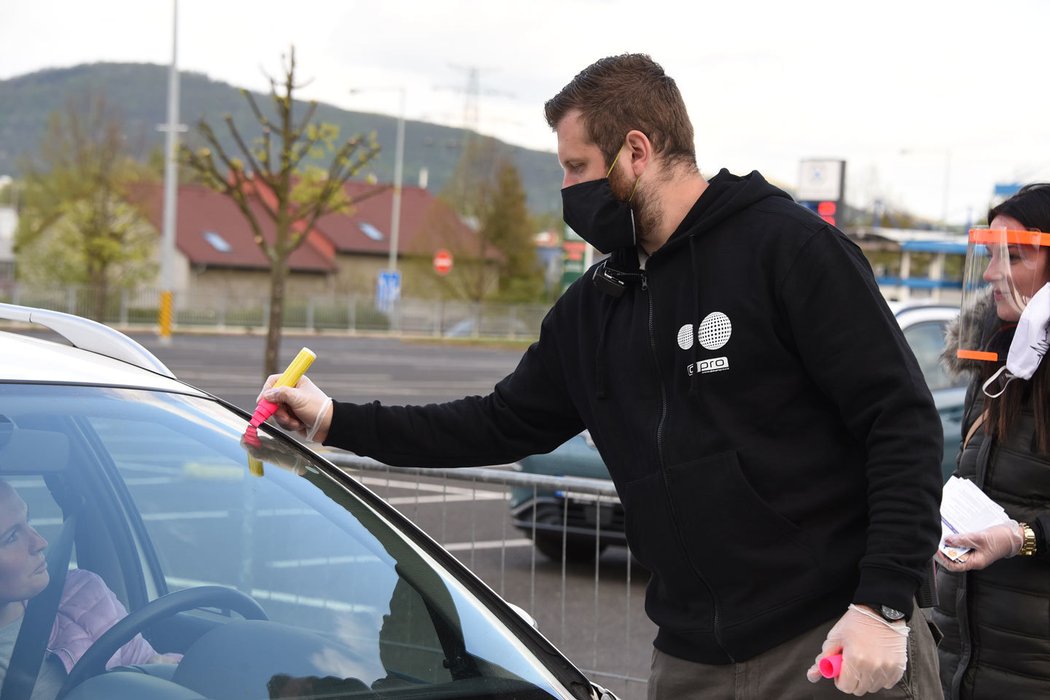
<point x="8" y="225"/>
<point x="549" y="253"/>
<point x="911" y="265"/>
<point x="217" y="256"/>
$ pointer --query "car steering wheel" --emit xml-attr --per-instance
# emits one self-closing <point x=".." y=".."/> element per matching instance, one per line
<point x="93" y="662"/>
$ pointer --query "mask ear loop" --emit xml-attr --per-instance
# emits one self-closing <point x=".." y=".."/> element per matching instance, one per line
<point x="613" y="164"/>
<point x="1002" y="378"/>
<point x="609" y="172"/>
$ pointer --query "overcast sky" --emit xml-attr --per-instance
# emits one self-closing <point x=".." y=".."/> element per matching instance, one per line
<point x="920" y="97"/>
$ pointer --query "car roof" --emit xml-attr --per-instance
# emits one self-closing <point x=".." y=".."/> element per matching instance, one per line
<point x="95" y="354"/>
<point x="908" y="314"/>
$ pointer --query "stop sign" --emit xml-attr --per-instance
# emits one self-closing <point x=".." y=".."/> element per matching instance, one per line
<point x="442" y="262"/>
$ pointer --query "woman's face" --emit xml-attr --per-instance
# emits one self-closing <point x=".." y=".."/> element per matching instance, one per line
<point x="23" y="569"/>
<point x="1015" y="275"/>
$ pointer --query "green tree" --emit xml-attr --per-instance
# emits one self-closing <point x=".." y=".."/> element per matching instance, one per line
<point x="277" y="175"/>
<point x="467" y="192"/>
<point x="500" y="258"/>
<point x="506" y="225"/>
<point x="79" y="222"/>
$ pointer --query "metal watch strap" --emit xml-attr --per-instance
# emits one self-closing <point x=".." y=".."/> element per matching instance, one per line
<point x="1028" y="545"/>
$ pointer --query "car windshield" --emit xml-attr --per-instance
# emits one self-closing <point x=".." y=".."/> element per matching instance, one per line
<point x="168" y="499"/>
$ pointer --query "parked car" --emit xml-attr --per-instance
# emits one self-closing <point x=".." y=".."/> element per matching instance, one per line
<point x="584" y="525"/>
<point x="269" y="570"/>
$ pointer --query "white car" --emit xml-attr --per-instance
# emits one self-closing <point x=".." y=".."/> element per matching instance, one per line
<point x="258" y="568"/>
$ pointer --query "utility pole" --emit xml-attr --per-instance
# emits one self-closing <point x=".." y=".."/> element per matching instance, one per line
<point x="471" y="100"/>
<point x="171" y="183"/>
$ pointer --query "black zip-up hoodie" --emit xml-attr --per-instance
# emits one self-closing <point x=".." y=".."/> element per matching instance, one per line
<point x="769" y="432"/>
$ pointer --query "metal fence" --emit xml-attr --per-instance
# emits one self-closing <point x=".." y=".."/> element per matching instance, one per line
<point x="353" y="313"/>
<point x="591" y="610"/>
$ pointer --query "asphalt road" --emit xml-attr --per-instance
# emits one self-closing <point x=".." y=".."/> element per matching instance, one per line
<point x="593" y="613"/>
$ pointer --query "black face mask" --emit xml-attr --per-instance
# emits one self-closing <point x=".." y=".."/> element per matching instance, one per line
<point x="593" y="211"/>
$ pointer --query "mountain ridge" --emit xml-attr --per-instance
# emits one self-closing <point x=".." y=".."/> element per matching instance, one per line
<point x="138" y="91"/>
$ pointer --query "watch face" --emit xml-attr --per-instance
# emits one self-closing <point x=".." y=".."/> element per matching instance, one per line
<point x="891" y="614"/>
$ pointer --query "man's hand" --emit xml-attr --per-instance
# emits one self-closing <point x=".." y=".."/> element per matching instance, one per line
<point x="874" y="652"/>
<point x="987" y="546"/>
<point x="303" y="408"/>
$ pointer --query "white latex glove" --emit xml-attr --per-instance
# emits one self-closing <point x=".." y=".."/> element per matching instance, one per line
<point x="303" y="408"/>
<point x="874" y="652"/>
<point x="988" y="545"/>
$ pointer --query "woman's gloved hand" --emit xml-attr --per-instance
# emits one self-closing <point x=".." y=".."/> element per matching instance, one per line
<point x="986" y="546"/>
<point x="874" y="652"/>
<point x="303" y="408"/>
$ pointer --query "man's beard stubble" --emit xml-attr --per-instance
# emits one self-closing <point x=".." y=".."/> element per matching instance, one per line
<point x="646" y="205"/>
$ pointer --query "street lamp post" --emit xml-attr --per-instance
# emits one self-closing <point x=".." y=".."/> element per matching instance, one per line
<point x="399" y="169"/>
<point x="399" y="165"/>
<point x="388" y="285"/>
<point x="171" y="183"/>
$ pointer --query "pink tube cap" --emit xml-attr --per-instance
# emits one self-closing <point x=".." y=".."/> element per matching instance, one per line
<point x="830" y="666"/>
<point x="263" y="410"/>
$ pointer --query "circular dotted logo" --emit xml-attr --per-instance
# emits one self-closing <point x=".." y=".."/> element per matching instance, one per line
<point x="685" y="336"/>
<point x="714" y="331"/>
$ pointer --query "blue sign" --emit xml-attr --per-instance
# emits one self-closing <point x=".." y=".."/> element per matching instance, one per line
<point x="1006" y="189"/>
<point x="388" y="290"/>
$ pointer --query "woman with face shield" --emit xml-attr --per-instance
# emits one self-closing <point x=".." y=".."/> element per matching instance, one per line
<point x="994" y="599"/>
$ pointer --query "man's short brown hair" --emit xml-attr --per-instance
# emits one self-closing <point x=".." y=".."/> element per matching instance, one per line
<point x="619" y="93"/>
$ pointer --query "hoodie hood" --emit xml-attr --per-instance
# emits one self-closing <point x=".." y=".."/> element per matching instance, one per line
<point x="725" y="196"/>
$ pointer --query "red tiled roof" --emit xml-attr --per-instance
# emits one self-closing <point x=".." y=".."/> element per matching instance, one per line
<point x="203" y="211"/>
<point x="427" y="223"/>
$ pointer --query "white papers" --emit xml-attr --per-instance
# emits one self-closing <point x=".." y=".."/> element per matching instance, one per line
<point x="965" y="508"/>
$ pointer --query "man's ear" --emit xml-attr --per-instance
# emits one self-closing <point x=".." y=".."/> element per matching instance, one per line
<point x="640" y="151"/>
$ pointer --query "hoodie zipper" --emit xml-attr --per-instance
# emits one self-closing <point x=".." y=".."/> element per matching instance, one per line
<point x="716" y="625"/>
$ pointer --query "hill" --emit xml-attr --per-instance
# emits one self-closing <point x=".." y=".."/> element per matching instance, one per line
<point x="139" y="92"/>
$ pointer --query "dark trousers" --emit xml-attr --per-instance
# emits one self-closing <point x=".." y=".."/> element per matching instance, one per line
<point x="780" y="673"/>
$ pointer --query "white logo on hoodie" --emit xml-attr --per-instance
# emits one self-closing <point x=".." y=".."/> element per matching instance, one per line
<point x="713" y="333"/>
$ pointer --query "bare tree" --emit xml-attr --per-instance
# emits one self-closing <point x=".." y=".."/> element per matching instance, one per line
<point x="276" y="178"/>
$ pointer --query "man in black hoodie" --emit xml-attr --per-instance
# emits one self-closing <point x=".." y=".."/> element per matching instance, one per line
<point x="768" y="430"/>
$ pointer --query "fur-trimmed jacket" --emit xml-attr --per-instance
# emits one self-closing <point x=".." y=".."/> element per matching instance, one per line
<point x="995" y="621"/>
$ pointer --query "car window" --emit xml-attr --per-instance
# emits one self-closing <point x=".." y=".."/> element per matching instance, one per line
<point x="927" y="342"/>
<point x="179" y="504"/>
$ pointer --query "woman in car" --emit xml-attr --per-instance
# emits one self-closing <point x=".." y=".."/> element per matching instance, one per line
<point x="86" y="610"/>
<point x="994" y="600"/>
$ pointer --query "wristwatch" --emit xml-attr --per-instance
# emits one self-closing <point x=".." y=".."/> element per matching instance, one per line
<point x="888" y="613"/>
<point x="1028" y="545"/>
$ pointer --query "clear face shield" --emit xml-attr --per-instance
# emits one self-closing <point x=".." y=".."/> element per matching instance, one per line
<point x="1005" y="268"/>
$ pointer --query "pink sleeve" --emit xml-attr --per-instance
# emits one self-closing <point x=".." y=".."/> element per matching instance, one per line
<point x="89" y="606"/>
<point x="137" y="651"/>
